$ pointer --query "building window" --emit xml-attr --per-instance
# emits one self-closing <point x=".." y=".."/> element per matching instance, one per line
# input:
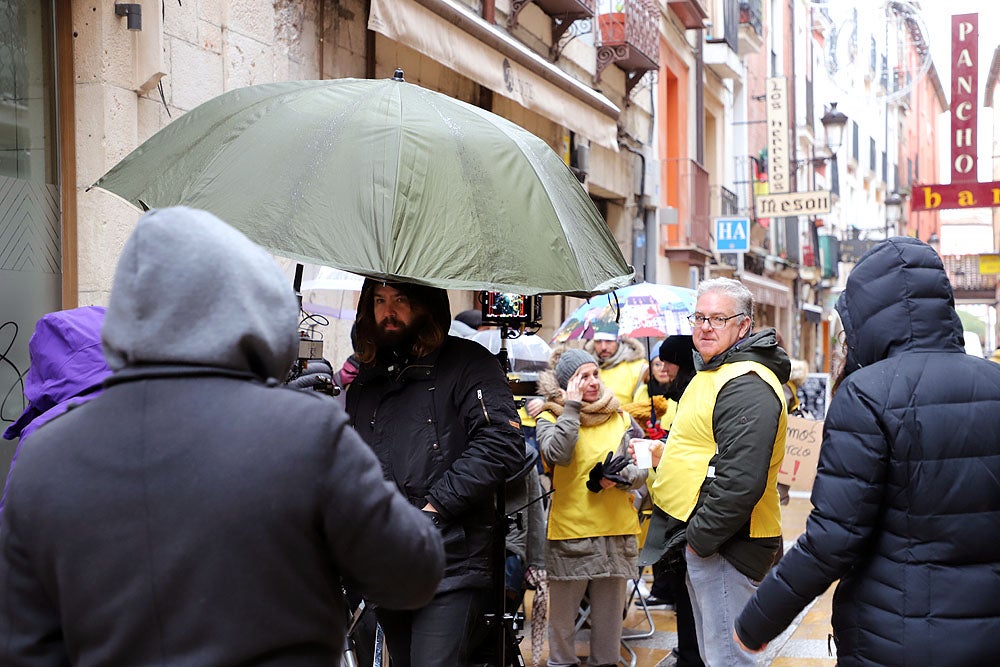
<point x="27" y="105"/>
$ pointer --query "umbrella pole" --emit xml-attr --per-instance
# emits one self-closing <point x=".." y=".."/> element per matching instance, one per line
<point x="649" y="386"/>
<point x="297" y="283"/>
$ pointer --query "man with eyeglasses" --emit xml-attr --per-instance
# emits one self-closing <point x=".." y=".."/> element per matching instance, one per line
<point x="715" y="493"/>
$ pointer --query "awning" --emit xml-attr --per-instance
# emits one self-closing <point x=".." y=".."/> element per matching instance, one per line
<point x="812" y="313"/>
<point x="767" y="291"/>
<point x="461" y="41"/>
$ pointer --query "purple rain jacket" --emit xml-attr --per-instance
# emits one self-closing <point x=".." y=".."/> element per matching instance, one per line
<point x="67" y="367"/>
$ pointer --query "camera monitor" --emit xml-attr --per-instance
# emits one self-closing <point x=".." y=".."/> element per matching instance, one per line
<point x="510" y="309"/>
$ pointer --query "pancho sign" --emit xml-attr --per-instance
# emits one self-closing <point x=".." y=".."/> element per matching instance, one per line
<point x="964" y="190"/>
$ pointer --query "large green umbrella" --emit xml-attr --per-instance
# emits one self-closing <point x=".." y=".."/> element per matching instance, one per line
<point x="385" y="179"/>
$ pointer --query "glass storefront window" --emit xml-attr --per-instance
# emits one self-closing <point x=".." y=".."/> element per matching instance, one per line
<point x="27" y="110"/>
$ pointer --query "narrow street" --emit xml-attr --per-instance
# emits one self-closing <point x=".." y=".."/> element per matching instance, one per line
<point x="804" y="644"/>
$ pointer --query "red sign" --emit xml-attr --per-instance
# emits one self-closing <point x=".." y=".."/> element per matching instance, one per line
<point x="955" y="195"/>
<point x="964" y="103"/>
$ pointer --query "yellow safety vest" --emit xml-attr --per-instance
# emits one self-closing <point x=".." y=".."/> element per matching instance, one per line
<point x="691" y="446"/>
<point x="578" y="512"/>
<point x="624" y="381"/>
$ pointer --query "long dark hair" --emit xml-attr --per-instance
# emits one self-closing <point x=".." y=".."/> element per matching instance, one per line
<point x="430" y="334"/>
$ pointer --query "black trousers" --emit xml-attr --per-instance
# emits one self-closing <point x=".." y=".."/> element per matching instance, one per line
<point x="445" y="632"/>
<point x="687" y="635"/>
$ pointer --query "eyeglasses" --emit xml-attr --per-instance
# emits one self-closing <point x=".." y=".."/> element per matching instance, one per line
<point x="717" y="321"/>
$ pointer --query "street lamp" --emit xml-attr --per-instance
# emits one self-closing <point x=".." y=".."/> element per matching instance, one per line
<point x="893" y="212"/>
<point x="834" y="122"/>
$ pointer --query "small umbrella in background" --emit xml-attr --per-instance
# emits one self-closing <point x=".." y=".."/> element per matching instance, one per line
<point x="526" y="352"/>
<point x="644" y="310"/>
<point x="385" y="179"/>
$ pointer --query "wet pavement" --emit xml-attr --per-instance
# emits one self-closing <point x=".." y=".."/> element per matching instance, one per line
<point x="803" y="644"/>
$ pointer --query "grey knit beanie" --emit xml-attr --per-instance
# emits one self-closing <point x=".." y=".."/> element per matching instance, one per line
<point x="569" y="361"/>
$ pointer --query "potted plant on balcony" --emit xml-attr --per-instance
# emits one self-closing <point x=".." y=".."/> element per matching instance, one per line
<point x="611" y="21"/>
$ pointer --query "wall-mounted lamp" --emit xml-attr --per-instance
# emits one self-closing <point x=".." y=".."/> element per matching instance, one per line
<point x="132" y="13"/>
<point x="834" y="122"/>
<point x="934" y="242"/>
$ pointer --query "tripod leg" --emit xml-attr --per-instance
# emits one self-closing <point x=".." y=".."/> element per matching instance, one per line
<point x="513" y="657"/>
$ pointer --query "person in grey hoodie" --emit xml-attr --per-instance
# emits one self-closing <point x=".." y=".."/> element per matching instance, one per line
<point x="198" y="512"/>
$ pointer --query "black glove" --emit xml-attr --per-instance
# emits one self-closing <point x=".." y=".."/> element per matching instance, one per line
<point x="613" y="466"/>
<point x="596" y="473"/>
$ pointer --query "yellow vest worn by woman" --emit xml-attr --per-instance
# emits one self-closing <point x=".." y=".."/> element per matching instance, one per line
<point x="577" y="512"/>
<point x="691" y="446"/>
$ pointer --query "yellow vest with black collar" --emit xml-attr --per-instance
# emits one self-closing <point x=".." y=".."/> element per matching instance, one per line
<point x="691" y="446"/>
<point x="578" y="512"/>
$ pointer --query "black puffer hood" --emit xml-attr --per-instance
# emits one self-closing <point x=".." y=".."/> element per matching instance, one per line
<point x="898" y="299"/>
<point x="434" y="298"/>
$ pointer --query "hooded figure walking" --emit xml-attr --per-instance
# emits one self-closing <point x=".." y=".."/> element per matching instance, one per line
<point x="906" y="502"/>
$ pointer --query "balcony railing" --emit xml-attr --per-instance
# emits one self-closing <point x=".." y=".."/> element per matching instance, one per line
<point x="750" y="14"/>
<point x="629" y="39"/>
<point x="562" y="12"/>
<point x="688" y="191"/>
<point x="724" y="201"/>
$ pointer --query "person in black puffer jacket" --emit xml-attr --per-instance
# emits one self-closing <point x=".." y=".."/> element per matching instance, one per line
<point x="907" y="494"/>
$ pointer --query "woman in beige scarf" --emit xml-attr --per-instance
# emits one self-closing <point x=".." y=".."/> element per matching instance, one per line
<point x="592" y="549"/>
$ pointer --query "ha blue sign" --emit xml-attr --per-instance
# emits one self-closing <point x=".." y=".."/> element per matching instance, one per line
<point x="732" y="234"/>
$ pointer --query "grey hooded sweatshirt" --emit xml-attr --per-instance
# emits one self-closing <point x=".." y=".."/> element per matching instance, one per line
<point x="198" y="512"/>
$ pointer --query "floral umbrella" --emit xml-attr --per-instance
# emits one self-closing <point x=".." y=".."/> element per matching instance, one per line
<point x="644" y="310"/>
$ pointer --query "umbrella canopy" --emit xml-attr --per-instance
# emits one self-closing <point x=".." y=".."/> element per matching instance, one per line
<point x="384" y="179"/>
<point x="527" y="352"/>
<point x="647" y="310"/>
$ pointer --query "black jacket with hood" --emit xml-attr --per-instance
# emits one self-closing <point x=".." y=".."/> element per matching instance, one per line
<point x="446" y="431"/>
<point x="198" y="512"/>
<point x="907" y="495"/>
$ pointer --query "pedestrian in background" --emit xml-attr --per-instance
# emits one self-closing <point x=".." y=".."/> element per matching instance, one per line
<point x="592" y="544"/>
<point x="67" y="369"/>
<point x="198" y="512"/>
<point x="906" y="502"/>
<point x="716" y="482"/>
<point x="622" y="361"/>
<point x="439" y="414"/>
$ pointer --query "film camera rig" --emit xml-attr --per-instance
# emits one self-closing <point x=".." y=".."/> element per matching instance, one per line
<point x="310" y="370"/>
<point x="515" y="314"/>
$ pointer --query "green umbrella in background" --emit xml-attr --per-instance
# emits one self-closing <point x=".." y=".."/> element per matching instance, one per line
<point x="385" y="179"/>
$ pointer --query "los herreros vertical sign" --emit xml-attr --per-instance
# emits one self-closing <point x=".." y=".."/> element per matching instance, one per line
<point x="777" y="134"/>
<point x="964" y="191"/>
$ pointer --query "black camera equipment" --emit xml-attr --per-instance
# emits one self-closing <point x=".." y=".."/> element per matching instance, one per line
<point x="515" y="314"/>
<point x="310" y="370"/>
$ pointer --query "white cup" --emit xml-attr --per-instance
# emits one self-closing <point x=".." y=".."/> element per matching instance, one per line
<point x="643" y="457"/>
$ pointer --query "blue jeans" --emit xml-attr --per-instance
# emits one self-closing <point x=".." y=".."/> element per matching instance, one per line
<point x="718" y="593"/>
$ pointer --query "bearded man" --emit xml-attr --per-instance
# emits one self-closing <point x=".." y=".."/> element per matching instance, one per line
<point x="439" y="414"/>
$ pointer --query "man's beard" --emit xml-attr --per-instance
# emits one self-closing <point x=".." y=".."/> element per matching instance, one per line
<point x="402" y="337"/>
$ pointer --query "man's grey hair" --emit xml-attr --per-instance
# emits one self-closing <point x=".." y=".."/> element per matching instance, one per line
<point x="731" y="288"/>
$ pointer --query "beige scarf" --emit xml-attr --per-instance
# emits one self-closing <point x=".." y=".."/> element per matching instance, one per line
<point x="591" y="414"/>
